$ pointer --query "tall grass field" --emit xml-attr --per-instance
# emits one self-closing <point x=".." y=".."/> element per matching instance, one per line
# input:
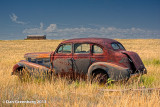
<point x="61" y="92"/>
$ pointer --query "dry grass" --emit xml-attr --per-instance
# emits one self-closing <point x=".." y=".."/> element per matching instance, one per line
<point x="61" y="92"/>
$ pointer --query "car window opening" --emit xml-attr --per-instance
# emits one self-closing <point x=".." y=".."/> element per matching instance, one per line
<point x="97" y="49"/>
<point x="82" y="48"/>
<point x="65" y="48"/>
<point x="117" y="46"/>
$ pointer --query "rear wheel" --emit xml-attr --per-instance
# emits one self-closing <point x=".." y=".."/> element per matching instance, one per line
<point x="99" y="76"/>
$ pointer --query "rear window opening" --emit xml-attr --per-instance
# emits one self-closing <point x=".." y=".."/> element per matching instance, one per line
<point x="97" y="49"/>
<point x="117" y="46"/>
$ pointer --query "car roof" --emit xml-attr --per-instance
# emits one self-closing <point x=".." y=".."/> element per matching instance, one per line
<point x="101" y="41"/>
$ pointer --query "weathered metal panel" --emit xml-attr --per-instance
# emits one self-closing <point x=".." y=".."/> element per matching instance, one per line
<point x="30" y="66"/>
<point x="38" y="55"/>
<point x="102" y="41"/>
<point x="136" y="60"/>
<point x="114" y="72"/>
<point x="81" y="63"/>
<point x="62" y="63"/>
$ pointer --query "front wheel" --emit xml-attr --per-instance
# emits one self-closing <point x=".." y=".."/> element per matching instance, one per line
<point x="23" y="74"/>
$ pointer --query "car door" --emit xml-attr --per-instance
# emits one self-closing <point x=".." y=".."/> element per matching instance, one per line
<point x="98" y="54"/>
<point x="81" y="57"/>
<point x="62" y="62"/>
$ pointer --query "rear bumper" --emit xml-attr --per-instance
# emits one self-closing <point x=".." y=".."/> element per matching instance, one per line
<point x="141" y="70"/>
<point x="144" y="71"/>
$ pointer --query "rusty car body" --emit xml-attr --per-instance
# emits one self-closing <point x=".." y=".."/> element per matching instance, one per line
<point x="86" y="57"/>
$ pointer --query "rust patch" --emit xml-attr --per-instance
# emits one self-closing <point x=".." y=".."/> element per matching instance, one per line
<point x="38" y="55"/>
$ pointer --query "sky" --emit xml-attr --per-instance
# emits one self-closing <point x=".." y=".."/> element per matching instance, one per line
<point x="65" y="19"/>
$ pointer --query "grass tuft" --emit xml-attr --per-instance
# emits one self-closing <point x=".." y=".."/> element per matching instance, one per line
<point x="152" y="62"/>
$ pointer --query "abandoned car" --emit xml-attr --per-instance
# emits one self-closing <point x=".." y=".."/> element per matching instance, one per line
<point x="91" y="58"/>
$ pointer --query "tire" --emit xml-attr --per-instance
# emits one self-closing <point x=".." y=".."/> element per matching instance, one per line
<point x="99" y="77"/>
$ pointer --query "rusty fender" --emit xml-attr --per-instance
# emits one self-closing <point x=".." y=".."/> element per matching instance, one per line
<point x="31" y="67"/>
<point x="114" y="71"/>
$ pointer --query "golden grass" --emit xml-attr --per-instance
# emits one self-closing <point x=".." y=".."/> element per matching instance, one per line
<point x="62" y="92"/>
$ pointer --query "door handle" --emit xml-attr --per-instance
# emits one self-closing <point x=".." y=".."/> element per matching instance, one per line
<point x="72" y="59"/>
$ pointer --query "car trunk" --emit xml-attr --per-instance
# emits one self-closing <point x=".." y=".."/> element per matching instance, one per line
<point x="136" y="62"/>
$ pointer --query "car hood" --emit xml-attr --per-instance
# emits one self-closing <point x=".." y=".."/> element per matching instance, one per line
<point x="38" y="55"/>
